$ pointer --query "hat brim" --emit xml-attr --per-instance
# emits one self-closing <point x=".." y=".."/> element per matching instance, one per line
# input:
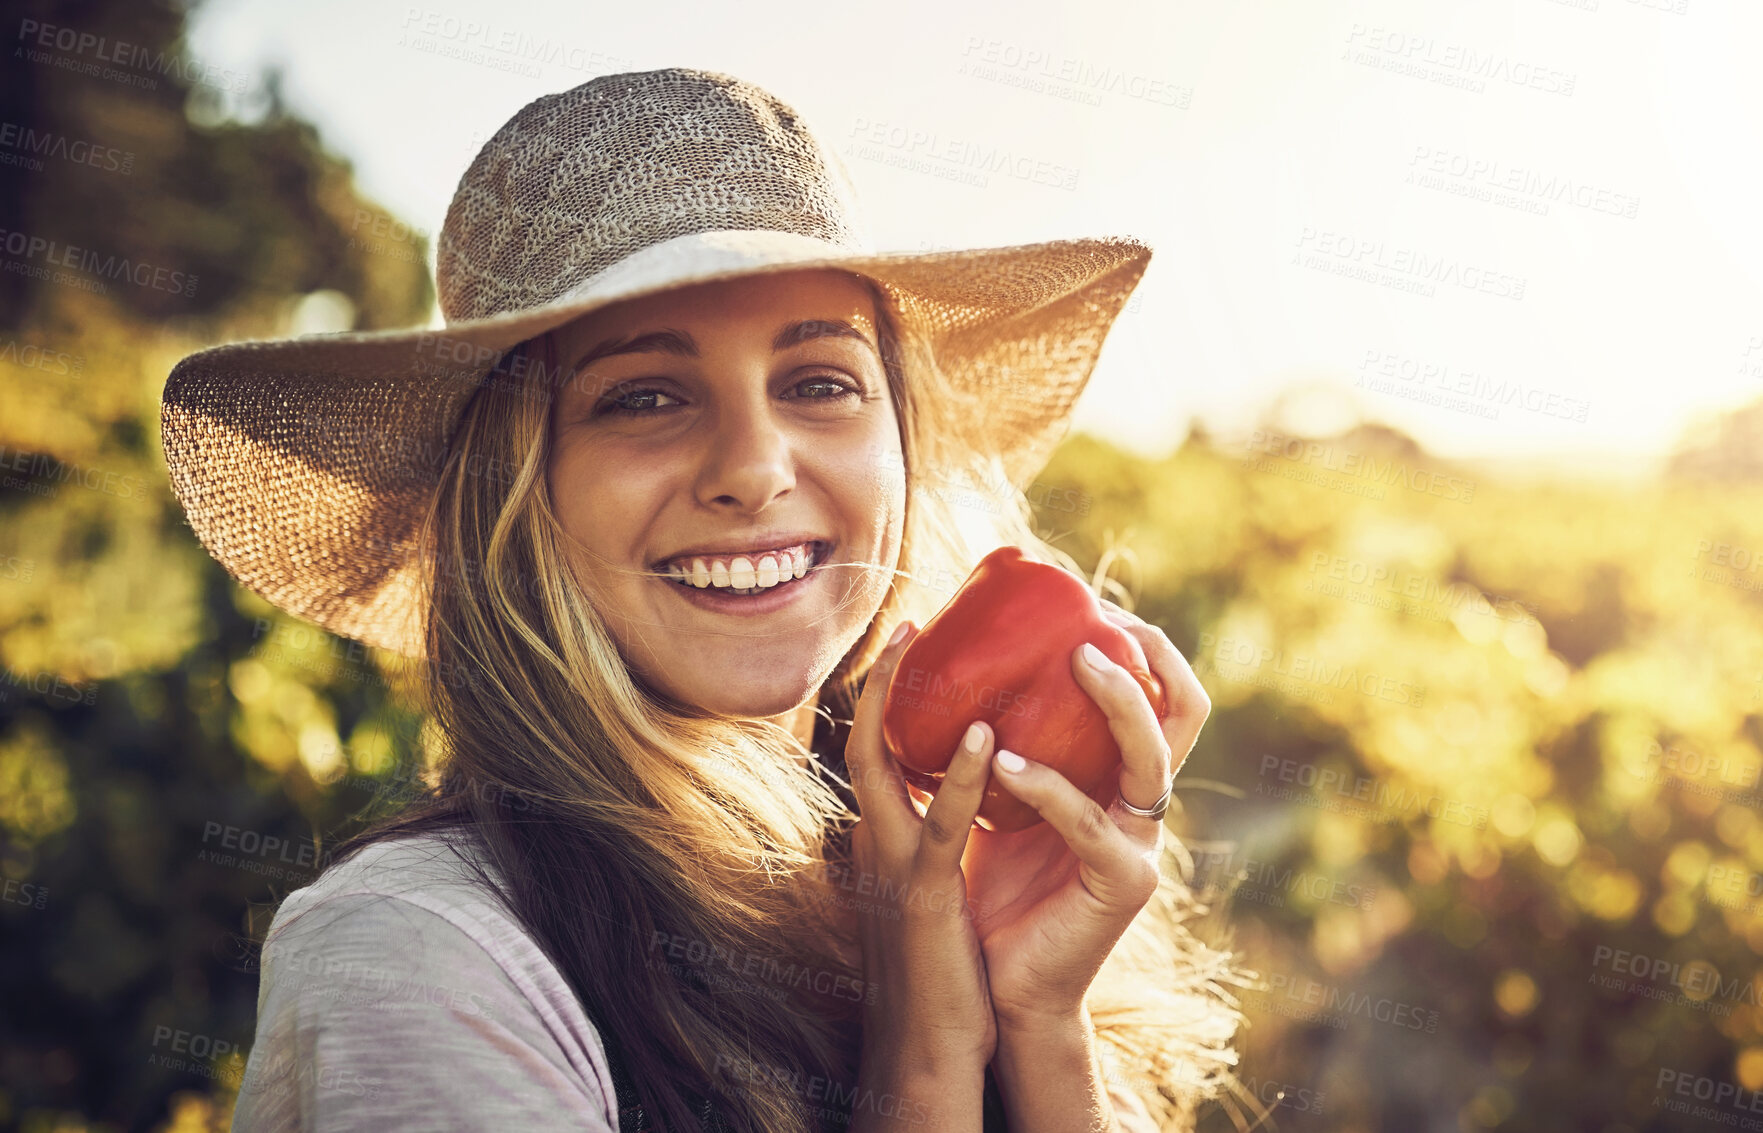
<point x="305" y="465"/>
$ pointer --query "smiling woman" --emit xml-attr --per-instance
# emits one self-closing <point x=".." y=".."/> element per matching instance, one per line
<point x="666" y="877"/>
<point x="682" y="459"/>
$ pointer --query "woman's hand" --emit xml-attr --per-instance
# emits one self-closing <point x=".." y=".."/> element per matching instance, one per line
<point x="1051" y="901"/>
<point x="932" y="1018"/>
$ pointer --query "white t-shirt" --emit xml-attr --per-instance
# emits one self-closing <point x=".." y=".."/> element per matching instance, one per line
<point x="397" y="994"/>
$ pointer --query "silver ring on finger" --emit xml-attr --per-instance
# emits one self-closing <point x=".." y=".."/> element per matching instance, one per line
<point x="1158" y="808"/>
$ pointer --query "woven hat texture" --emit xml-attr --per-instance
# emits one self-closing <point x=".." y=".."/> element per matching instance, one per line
<point x="306" y="464"/>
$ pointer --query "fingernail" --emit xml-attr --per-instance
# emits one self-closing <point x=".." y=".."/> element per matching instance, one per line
<point x="899" y="633"/>
<point x="1094" y="657"/>
<point x="975" y="737"/>
<point x="1010" y="761"/>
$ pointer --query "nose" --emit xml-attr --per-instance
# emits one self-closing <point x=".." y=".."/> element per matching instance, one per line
<point x="751" y="460"/>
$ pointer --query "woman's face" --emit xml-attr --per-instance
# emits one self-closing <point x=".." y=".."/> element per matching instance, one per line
<point x="719" y="422"/>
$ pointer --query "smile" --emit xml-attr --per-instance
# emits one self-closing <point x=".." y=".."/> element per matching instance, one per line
<point x="748" y="574"/>
<point x="771" y="589"/>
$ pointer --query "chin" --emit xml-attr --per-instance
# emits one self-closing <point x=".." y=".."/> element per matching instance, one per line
<point x="773" y="699"/>
<point x="760" y="707"/>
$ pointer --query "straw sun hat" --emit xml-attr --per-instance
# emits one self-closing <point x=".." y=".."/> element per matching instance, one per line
<point x="305" y="464"/>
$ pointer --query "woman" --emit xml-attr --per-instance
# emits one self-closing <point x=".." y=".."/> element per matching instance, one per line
<point x="657" y="578"/>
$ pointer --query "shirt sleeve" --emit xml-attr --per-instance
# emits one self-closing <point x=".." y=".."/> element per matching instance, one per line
<point x="376" y="1013"/>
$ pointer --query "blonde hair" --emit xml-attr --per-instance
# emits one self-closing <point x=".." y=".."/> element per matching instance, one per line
<point x="639" y="819"/>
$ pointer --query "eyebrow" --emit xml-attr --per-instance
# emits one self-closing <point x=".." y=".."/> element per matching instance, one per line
<point x="678" y="342"/>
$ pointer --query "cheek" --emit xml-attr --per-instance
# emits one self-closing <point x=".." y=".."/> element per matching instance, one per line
<point x="878" y="465"/>
<point x="869" y="484"/>
<point x="570" y="480"/>
<point x="598" y="505"/>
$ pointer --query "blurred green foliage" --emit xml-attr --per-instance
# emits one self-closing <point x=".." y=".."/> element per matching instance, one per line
<point x="1482" y="773"/>
<point x="145" y="719"/>
<point x="1478" y="797"/>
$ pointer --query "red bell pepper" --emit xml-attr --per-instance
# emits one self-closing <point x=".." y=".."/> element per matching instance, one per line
<point x="1000" y="651"/>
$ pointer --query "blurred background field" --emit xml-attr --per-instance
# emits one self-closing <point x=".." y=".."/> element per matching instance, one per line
<point x="1478" y="799"/>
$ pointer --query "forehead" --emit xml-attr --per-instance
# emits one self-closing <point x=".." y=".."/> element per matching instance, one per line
<point x="754" y="305"/>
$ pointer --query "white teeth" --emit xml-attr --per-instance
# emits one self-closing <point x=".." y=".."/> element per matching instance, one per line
<point x="741" y="573"/>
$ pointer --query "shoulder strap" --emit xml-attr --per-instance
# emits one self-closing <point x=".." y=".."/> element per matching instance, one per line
<point x="992" y="1113"/>
<point x="631" y="1117"/>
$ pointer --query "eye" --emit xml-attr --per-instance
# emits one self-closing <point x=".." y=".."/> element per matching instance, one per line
<point x="618" y="403"/>
<point x="829" y="385"/>
<point x="832" y="389"/>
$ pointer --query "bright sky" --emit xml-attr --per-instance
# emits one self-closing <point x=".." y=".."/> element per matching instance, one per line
<point x="1525" y="230"/>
